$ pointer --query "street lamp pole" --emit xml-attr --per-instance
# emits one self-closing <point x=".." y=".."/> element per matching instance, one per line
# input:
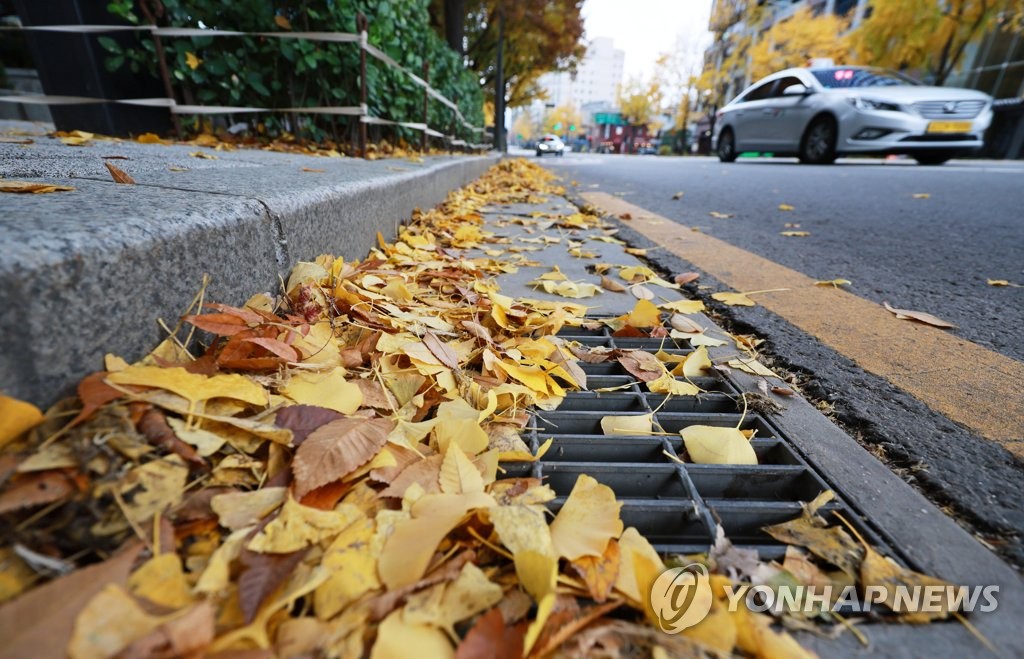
<point x="499" y="88"/>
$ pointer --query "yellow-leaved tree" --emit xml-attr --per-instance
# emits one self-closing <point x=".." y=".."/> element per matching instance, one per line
<point x="640" y="101"/>
<point x="731" y="30"/>
<point x="563" y="120"/>
<point x="927" y="35"/>
<point x="796" y="40"/>
<point x="523" y="127"/>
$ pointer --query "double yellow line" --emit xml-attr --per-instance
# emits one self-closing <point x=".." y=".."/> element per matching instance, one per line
<point x="963" y="381"/>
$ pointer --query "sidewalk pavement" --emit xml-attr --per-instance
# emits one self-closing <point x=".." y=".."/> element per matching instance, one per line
<point x="84" y="271"/>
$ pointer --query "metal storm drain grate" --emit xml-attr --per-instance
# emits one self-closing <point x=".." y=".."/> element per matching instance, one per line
<point x="676" y="506"/>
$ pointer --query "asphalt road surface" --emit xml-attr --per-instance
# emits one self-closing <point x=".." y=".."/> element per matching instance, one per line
<point x="921" y="238"/>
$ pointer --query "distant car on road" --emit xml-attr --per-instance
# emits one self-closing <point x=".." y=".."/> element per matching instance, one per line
<point x="819" y="114"/>
<point x="550" y="144"/>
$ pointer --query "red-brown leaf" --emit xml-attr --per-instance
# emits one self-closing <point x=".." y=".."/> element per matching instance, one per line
<point x="490" y="638"/>
<point x="279" y="348"/>
<point x="642" y="365"/>
<point x="153" y="425"/>
<point x="35" y="489"/>
<point x="94" y="394"/>
<point x="119" y="175"/>
<point x="261" y="576"/>
<point x="40" y="622"/>
<point x="336" y="449"/>
<point x="221" y="324"/>
<point x="686" y="278"/>
<point x="304" y="419"/>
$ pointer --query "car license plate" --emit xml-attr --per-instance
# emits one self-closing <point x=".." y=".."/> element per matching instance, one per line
<point x="949" y="126"/>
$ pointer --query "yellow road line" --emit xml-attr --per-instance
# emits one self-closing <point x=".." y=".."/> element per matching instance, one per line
<point x="967" y="383"/>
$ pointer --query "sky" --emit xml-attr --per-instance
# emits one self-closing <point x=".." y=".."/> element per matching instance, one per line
<point x="646" y="28"/>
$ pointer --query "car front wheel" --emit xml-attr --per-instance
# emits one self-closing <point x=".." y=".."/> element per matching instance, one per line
<point x="540" y="153"/>
<point x="819" y="144"/>
<point x="932" y="158"/>
<point x="727" y="146"/>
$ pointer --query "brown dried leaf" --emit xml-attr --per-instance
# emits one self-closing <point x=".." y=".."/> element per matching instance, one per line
<point x="119" y="175"/>
<point x="262" y="574"/>
<point x="153" y="425"/>
<point x="642" y="365"/>
<point x="304" y="419"/>
<point x="686" y="278"/>
<point x="489" y="637"/>
<point x="35" y="489"/>
<point x="440" y="349"/>
<point x="94" y="394"/>
<point x="32" y="187"/>
<point x="919" y="316"/>
<point x="185" y="636"/>
<point x="40" y="622"/>
<point x="221" y="324"/>
<point x="336" y="449"/>
<point x="610" y="284"/>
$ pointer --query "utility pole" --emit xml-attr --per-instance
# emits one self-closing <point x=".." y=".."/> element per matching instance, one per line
<point x="499" y="88"/>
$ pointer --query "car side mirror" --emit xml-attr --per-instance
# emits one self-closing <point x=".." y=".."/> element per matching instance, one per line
<point x="797" y="90"/>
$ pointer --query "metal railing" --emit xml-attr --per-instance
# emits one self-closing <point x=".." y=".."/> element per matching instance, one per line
<point x="362" y="111"/>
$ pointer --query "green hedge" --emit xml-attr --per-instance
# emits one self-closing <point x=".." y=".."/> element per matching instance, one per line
<point x="267" y="72"/>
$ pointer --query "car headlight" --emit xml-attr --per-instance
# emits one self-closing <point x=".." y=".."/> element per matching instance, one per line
<point x="871" y="104"/>
<point x="543" y="147"/>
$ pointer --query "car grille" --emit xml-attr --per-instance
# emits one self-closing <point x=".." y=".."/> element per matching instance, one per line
<point x="938" y="109"/>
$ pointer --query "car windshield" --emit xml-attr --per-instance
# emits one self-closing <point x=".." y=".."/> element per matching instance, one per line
<point x="842" y="78"/>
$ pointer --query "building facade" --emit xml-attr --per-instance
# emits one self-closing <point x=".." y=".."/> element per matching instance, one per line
<point x="596" y="80"/>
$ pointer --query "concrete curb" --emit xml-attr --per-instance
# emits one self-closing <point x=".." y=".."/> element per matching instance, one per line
<point x="88" y="272"/>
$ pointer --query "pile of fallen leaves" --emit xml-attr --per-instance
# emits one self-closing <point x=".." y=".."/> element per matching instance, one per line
<point x="323" y="479"/>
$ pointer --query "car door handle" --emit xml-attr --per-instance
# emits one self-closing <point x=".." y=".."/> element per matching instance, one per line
<point x="768" y="111"/>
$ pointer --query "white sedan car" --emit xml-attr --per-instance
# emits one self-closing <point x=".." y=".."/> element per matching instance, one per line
<point x="819" y="114"/>
<point x="550" y="144"/>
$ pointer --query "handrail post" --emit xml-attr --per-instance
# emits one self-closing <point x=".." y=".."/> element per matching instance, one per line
<point x="426" y="98"/>
<point x="362" y="25"/>
<point x="161" y="60"/>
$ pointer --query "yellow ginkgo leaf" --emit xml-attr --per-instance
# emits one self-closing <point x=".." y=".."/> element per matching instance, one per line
<point x="696" y="365"/>
<point x="555" y="274"/>
<point x="329" y="389"/>
<point x="644" y="314"/>
<point x="192" y="61"/>
<point x="697" y="340"/>
<point x="352" y="562"/>
<point x="921" y="195"/>
<point x="192" y="386"/>
<point x="632" y="424"/>
<point x="458" y="473"/>
<point x="161" y="580"/>
<point x="734" y="299"/>
<point x="751" y="366"/>
<point x="568" y="289"/>
<point x="298" y="526"/>
<point x="795" y="234"/>
<point x="526" y="456"/>
<point x="785" y="207"/>
<point x="666" y="384"/>
<point x="630" y="273"/>
<point x="684" y="306"/>
<point x="16" y="416"/>
<point x="587" y="521"/>
<point x="835" y="283"/>
<point x="714" y="445"/>
<point x="395" y="637"/>
<point x="742" y="299"/>
<point x="412" y="543"/>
